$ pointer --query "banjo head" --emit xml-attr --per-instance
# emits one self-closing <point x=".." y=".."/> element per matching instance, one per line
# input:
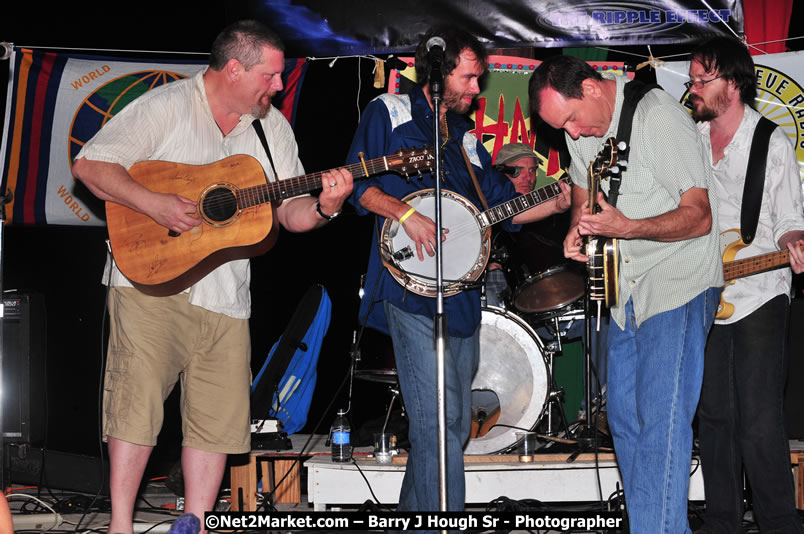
<point x="465" y="250"/>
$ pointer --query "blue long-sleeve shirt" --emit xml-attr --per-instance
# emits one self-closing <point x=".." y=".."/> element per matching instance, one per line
<point x="391" y="122"/>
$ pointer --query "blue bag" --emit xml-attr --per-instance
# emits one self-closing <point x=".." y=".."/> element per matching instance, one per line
<point x="295" y="358"/>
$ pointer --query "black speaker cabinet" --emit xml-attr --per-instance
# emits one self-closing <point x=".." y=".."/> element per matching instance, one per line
<point x="23" y="368"/>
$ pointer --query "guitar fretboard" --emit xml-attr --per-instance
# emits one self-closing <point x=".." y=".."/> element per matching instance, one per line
<point x="299" y="185"/>
<point x="756" y="264"/>
<point x="517" y="205"/>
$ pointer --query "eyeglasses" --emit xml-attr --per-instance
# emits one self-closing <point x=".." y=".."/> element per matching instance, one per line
<point x="698" y="84"/>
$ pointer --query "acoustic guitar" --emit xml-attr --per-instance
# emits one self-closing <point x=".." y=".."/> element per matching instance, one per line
<point x="235" y="205"/>
<point x="731" y="242"/>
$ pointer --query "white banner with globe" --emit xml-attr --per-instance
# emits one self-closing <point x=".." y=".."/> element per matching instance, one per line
<point x="56" y="103"/>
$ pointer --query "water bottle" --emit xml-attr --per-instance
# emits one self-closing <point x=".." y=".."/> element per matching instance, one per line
<point x="341" y="438"/>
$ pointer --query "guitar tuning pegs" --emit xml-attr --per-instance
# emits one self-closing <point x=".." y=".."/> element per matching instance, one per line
<point x="614" y="169"/>
<point x="621" y="146"/>
<point x="623" y="164"/>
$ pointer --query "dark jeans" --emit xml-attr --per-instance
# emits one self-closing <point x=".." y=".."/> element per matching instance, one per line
<point x="741" y="422"/>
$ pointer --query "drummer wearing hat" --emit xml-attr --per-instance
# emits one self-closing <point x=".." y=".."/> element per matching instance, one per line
<point x="520" y="164"/>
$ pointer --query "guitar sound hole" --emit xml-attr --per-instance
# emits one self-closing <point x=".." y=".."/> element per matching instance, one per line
<point x="219" y="205"/>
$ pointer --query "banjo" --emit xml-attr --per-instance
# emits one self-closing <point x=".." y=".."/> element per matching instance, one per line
<point x="467" y="247"/>
<point x="603" y="264"/>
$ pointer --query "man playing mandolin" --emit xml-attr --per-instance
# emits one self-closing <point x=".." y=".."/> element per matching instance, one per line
<point x="200" y="336"/>
<point x="669" y="273"/>
<point x="740" y="418"/>
<point x="391" y="122"/>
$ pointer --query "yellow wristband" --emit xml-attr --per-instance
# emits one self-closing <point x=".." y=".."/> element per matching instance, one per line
<point x="406" y="215"/>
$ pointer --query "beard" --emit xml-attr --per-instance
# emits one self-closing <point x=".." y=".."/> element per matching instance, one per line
<point x="260" y="110"/>
<point x="703" y="113"/>
<point x="453" y="101"/>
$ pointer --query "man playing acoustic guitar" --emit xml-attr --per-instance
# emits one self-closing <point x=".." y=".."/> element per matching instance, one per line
<point x="669" y="273"/>
<point x="200" y="336"/>
<point x="740" y="418"/>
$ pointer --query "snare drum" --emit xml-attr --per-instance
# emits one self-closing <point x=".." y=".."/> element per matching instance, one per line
<point x="511" y="383"/>
<point x="539" y="277"/>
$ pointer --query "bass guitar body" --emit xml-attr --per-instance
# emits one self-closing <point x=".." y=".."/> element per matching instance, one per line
<point x="731" y="242"/>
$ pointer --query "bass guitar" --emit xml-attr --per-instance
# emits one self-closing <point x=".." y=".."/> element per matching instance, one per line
<point x="731" y="242"/>
<point x="235" y="204"/>
<point x="603" y="263"/>
<point x="468" y="244"/>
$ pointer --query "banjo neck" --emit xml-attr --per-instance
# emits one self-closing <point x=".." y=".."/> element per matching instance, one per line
<point x="521" y="203"/>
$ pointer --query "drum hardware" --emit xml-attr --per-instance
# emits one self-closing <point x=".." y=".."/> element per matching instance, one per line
<point x="395" y="394"/>
<point x="556" y="394"/>
<point x="588" y="436"/>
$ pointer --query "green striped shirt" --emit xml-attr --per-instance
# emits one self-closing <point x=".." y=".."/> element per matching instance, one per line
<point x="666" y="159"/>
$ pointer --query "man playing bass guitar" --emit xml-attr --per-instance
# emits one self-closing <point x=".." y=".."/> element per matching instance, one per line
<point x="740" y="418"/>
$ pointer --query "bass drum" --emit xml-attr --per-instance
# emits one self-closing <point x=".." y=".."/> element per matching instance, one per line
<point x="511" y="384"/>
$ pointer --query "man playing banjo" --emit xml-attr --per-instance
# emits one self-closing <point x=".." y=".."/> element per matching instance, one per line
<point x="389" y="123"/>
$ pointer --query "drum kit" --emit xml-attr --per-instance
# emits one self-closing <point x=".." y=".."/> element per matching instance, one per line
<point x="514" y="388"/>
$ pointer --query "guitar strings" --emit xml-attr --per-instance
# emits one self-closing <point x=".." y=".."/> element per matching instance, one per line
<point x="469" y="228"/>
<point x="262" y="193"/>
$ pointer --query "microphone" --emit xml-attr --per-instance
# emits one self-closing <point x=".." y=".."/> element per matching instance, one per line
<point x="510" y="170"/>
<point x="435" y="49"/>
<point x="435" y="55"/>
<point x="481" y="417"/>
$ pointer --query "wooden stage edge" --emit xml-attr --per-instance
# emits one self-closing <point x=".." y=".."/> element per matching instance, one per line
<point x="276" y="465"/>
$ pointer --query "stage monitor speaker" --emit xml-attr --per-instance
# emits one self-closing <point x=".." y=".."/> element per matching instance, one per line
<point x="24" y="392"/>
<point x="794" y="393"/>
<point x="35" y="466"/>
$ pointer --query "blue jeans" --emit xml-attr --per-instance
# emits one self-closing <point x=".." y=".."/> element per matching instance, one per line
<point x="741" y="422"/>
<point x="414" y="351"/>
<point x="654" y="381"/>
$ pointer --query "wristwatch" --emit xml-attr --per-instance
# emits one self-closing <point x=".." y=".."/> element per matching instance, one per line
<point x="324" y="215"/>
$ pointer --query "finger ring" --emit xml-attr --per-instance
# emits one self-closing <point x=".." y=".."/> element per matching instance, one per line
<point x="332" y="184"/>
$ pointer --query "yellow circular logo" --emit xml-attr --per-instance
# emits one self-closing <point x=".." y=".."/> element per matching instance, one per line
<point x="781" y="99"/>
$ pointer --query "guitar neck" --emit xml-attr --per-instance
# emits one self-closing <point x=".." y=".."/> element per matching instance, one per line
<point x="756" y="264"/>
<point x="299" y="185"/>
<point x="517" y="205"/>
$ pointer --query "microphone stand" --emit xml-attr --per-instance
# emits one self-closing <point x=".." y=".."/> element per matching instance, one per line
<point x="440" y="319"/>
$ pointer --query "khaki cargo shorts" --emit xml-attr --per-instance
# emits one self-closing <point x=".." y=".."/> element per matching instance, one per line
<point x="155" y="342"/>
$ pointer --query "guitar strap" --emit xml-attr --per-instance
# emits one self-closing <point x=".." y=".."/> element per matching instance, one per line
<point x="474" y="179"/>
<point x="261" y="134"/>
<point x="632" y="94"/>
<point x="755" y="179"/>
